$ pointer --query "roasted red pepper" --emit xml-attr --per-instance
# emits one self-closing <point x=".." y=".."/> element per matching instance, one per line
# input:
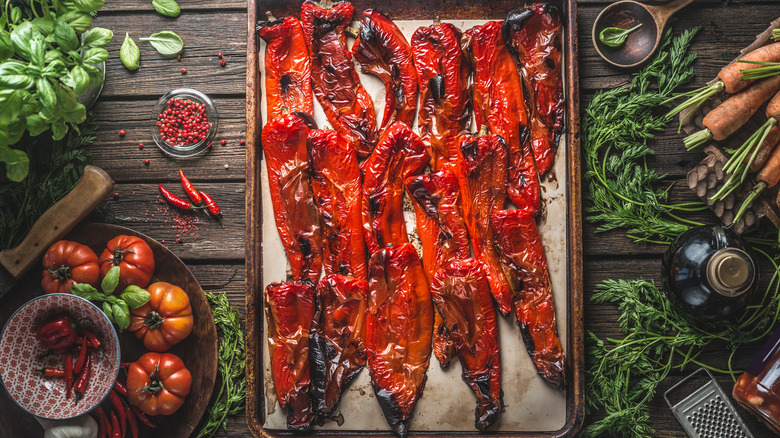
<point x="382" y="50"/>
<point x="533" y="34"/>
<point x="523" y="258"/>
<point x="57" y="333"/>
<point x="337" y="340"/>
<point x="461" y="292"/>
<point x="399" y="154"/>
<point x="445" y="94"/>
<point x="399" y="331"/>
<point x="287" y="68"/>
<point x="289" y="171"/>
<point x="336" y="183"/>
<point x="499" y="104"/>
<point x="289" y="312"/>
<point x="443" y="235"/>
<point x="482" y="170"/>
<point x="335" y="82"/>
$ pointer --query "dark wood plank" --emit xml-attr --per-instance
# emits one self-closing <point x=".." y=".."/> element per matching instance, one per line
<point x="187" y="6"/>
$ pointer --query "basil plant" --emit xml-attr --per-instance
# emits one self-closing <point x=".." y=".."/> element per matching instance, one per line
<point x="47" y="57"/>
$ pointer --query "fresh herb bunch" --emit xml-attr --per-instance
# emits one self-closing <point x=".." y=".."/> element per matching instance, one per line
<point x="617" y="125"/>
<point x="47" y="57"/>
<point x="231" y="398"/>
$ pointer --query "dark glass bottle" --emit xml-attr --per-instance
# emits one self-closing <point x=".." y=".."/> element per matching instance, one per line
<point x="710" y="272"/>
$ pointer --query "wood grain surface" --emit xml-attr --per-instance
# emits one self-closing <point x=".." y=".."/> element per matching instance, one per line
<point x="216" y="257"/>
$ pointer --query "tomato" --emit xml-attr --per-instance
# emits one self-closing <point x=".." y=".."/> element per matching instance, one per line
<point x="134" y="258"/>
<point x="67" y="263"/>
<point x="165" y="320"/>
<point x="158" y="383"/>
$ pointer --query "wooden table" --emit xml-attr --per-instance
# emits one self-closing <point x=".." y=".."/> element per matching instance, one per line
<point x="216" y="255"/>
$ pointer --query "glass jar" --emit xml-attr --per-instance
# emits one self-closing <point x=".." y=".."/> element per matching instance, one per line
<point x="190" y="149"/>
<point x="758" y="388"/>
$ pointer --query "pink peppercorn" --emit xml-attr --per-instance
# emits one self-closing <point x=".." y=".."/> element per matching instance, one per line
<point x="222" y="62"/>
<point x="146" y="161"/>
<point x="122" y="132"/>
<point x="184" y="71"/>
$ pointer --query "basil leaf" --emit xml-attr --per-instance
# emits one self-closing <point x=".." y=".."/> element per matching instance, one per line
<point x="16" y="130"/>
<point x="121" y="315"/>
<point x="65" y="36"/>
<point x="135" y="296"/>
<point x="76" y="115"/>
<point x="95" y="76"/>
<point x="45" y="25"/>
<point x="37" y="51"/>
<point x="11" y="102"/>
<point x="166" y="43"/>
<point x="37" y="126"/>
<point x="78" y="20"/>
<point x="87" y="292"/>
<point x="80" y="80"/>
<point x="129" y="54"/>
<point x="107" y="309"/>
<point x="17" y="164"/>
<point x="58" y="130"/>
<point x="95" y="55"/>
<point x="13" y="75"/>
<point x="97" y="37"/>
<point x="21" y="37"/>
<point x="52" y="55"/>
<point x="6" y="49"/>
<point x="110" y="281"/>
<point x="16" y="14"/>
<point x="66" y="97"/>
<point x="88" y="5"/>
<point x="169" y="8"/>
<point x="46" y="94"/>
<point x="615" y="36"/>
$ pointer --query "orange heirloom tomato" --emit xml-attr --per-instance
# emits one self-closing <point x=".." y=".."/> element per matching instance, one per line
<point x="134" y="258"/>
<point x="165" y="320"/>
<point x="67" y="263"/>
<point x="158" y="383"/>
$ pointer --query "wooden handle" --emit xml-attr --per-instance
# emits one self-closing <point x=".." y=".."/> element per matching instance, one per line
<point x="662" y="13"/>
<point x="58" y="220"/>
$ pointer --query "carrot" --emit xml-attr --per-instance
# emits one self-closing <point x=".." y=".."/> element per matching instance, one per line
<point x="729" y="79"/>
<point x="766" y="148"/>
<point x="733" y="112"/>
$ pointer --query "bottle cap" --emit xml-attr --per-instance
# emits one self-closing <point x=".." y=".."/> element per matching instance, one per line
<point x="731" y="272"/>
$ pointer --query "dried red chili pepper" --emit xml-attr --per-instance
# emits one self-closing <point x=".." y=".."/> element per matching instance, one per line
<point x="68" y="376"/>
<point x="445" y="94"/>
<point x="382" y="50"/>
<point x="337" y="340"/>
<point x="103" y="421"/>
<point x="443" y="235"/>
<point x="189" y="189"/>
<point x="79" y="366"/>
<point x="132" y="421"/>
<point x="523" y="258"/>
<point x="287" y="67"/>
<point x="399" y="330"/>
<point x="120" y="388"/>
<point x="289" y="171"/>
<point x="213" y="207"/>
<point x="399" y="154"/>
<point x="533" y="34"/>
<point x="143" y="417"/>
<point x="289" y="312"/>
<point x="337" y="185"/>
<point x="57" y="333"/>
<point x="81" y="383"/>
<point x="175" y="200"/>
<point x="482" y="170"/>
<point x="91" y="337"/>
<point x="335" y="82"/>
<point x="461" y="292"/>
<point x="116" y="402"/>
<point x="499" y="103"/>
<point x="51" y="372"/>
<point x="116" y="431"/>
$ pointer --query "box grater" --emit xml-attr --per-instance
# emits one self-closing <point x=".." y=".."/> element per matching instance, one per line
<point x="706" y="412"/>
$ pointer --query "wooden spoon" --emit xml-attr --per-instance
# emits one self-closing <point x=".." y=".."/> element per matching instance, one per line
<point x="643" y="42"/>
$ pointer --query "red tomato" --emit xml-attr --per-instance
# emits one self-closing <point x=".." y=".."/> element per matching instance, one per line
<point x="165" y="320"/>
<point x="67" y="263"/>
<point x="134" y="258"/>
<point x="158" y="383"/>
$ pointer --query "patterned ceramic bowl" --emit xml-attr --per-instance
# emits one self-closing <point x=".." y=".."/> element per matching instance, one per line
<point x="21" y="358"/>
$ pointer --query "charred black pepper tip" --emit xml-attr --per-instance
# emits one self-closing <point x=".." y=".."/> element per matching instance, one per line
<point x="263" y="24"/>
<point x="470" y="149"/>
<point x="307" y="119"/>
<point x="284" y="82"/>
<point x="436" y="85"/>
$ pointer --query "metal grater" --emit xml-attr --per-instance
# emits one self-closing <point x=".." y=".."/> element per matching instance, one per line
<point x="707" y="411"/>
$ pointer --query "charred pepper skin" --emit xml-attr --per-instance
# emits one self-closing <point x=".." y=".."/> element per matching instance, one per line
<point x="443" y="235"/>
<point x="499" y="104"/>
<point x="461" y="293"/>
<point x="337" y="340"/>
<point x="382" y="50"/>
<point x="289" y="172"/>
<point x="533" y="35"/>
<point x="287" y="68"/>
<point x="482" y="171"/>
<point x="444" y="75"/>
<point x="289" y="309"/>
<point x="338" y="193"/>
<point x="525" y="264"/>
<point x="335" y="82"/>
<point x="399" y="328"/>
<point x="399" y="154"/>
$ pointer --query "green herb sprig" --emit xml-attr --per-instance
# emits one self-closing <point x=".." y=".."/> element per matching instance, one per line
<point x="616" y="36"/>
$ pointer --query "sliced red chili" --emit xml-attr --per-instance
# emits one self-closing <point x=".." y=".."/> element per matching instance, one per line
<point x="382" y="50"/>
<point x="445" y="94"/>
<point x="533" y="34"/>
<point x="443" y="236"/>
<point x="289" y="312"/>
<point x="289" y="172"/>
<point x="287" y="67"/>
<point x="337" y="340"/>
<point x="399" y="154"/>
<point x="481" y="171"/>
<point x="399" y="330"/>
<point x="499" y="104"/>
<point x="335" y="82"/>
<point x="337" y="185"/>
<point x="524" y="261"/>
<point x="461" y="292"/>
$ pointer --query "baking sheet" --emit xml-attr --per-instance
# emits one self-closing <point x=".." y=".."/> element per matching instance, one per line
<point x="447" y="404"/>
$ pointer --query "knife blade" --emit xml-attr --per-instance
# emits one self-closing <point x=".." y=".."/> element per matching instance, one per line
<point x="53" y="225"/>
